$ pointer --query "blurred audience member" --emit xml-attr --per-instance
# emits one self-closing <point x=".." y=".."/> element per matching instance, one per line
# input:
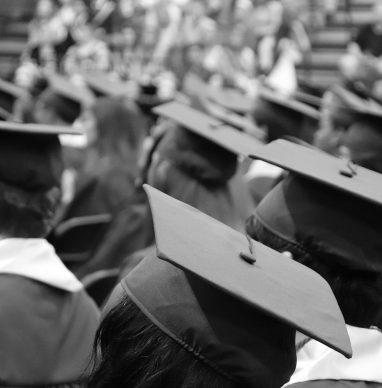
<point x="106" y="184"/>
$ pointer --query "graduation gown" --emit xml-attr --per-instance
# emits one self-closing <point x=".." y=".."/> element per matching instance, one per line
<point x="47" y="321"/>
<point x="321" y="367"/>
<point x="109" y="188"/>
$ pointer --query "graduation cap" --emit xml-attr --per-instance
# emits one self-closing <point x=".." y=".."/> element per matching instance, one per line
<point x="328" y="205"/>
<point x="102" y="85"/>
<point x="287" y="102"/>
<point x="209" y="128"/>
<point x="285" y="116"/>
<point x="70" y="90"/>
<point x="235" y="304"/>
<point x="231" y="99"/>
<point x="66" y="98"/>
<point x="30" y="155"/>
<point x="197" y="90"/>
<point x="9" y="93"/>
<point x="363" y="136"/>
<point x="345" y="106"/>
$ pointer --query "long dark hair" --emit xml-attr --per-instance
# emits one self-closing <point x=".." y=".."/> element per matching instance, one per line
<point x="120" y="128"/>
<point x="130" y="351"/>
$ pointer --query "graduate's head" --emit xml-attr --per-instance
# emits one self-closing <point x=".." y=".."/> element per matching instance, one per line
<point x="30" y="178"/>
<point x="114" y="126"/>
<point x="61" y="102"/>
<point x="326" y="214"/>
<point x="338" y="112"/>
<point x="203" y="147"/>
<point x="54" y="109"/>
<point x="363" y="142"/>
<point x="142" y="347"/>
<point x="211" y="309"/>
<point x="351" y="126"/>
<point x="285" y="117"/>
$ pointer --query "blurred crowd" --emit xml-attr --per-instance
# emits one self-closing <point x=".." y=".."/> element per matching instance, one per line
<point x="230" y="42"/>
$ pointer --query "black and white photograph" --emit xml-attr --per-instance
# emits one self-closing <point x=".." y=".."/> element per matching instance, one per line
<point x="190" y="193"/>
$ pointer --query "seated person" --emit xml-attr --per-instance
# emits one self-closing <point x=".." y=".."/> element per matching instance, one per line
<point x="350" y="127"/>
<point x="366" y="50"/>
<point x="334" y="227"/>
<point x="47" y="321"/>
<point x="205" y="312"/>
<point x="106" y="183"/>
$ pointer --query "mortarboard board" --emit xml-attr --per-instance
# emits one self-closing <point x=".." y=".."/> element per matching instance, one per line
<point x="324" y="168"/>
<point x="30" y="155"/>
<point x="208" y="127"/>
<point x="37" y="129"/>
<point x="288" y="102"/>
<point x="232" y="302"/>
<point x="78" y="94"/>
<point x="327" y="205"/>
<point x="65" y="98"/>
<point x="103" y="85"/>
<point x="231" y="99"/>
<point x="197" y="90"/>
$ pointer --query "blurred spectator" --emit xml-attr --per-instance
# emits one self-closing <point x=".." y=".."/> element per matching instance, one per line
<point x="362" y="63"/>
<point x="288" y="34"/>
<point x="106" y="184"/>
<point x="88" y="53"/>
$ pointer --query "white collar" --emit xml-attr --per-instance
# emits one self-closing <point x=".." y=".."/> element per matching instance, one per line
<point x="258" y="169"/>
<point x="316" y="361"/>
<point x="36" y="259"/>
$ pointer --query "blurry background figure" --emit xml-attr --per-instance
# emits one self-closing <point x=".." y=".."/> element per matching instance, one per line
<point x="350" y="128"/>
<point x="62" y="101"/>
<point x="365" y="53"/>
<point x="334" y="122"/>
<point x="46" y="30"/>
<point x="288" y="37"/>
<point x="88" y="53"/>
<point x="341" y="111"/>
<point x="363" y="142"/>
<point x="24" y="108"/>
<point x="106" y="183"/>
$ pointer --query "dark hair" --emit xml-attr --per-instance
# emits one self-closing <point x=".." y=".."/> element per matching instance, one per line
<point x="65" y="108"/>
<point x="120" y="128"/>
<point x="130" y="351"/>
<point x="281" y="121"/>
<point x="25" y="214"/>
<point x="359" y="294"/>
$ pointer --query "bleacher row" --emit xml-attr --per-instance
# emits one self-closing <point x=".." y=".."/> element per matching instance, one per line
<point x="320" y="67"/>
<point x="329" y="42"/>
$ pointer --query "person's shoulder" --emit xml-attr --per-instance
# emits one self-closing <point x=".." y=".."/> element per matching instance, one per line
<point x="335" y="384"/>
<point x="23" y="296"/>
